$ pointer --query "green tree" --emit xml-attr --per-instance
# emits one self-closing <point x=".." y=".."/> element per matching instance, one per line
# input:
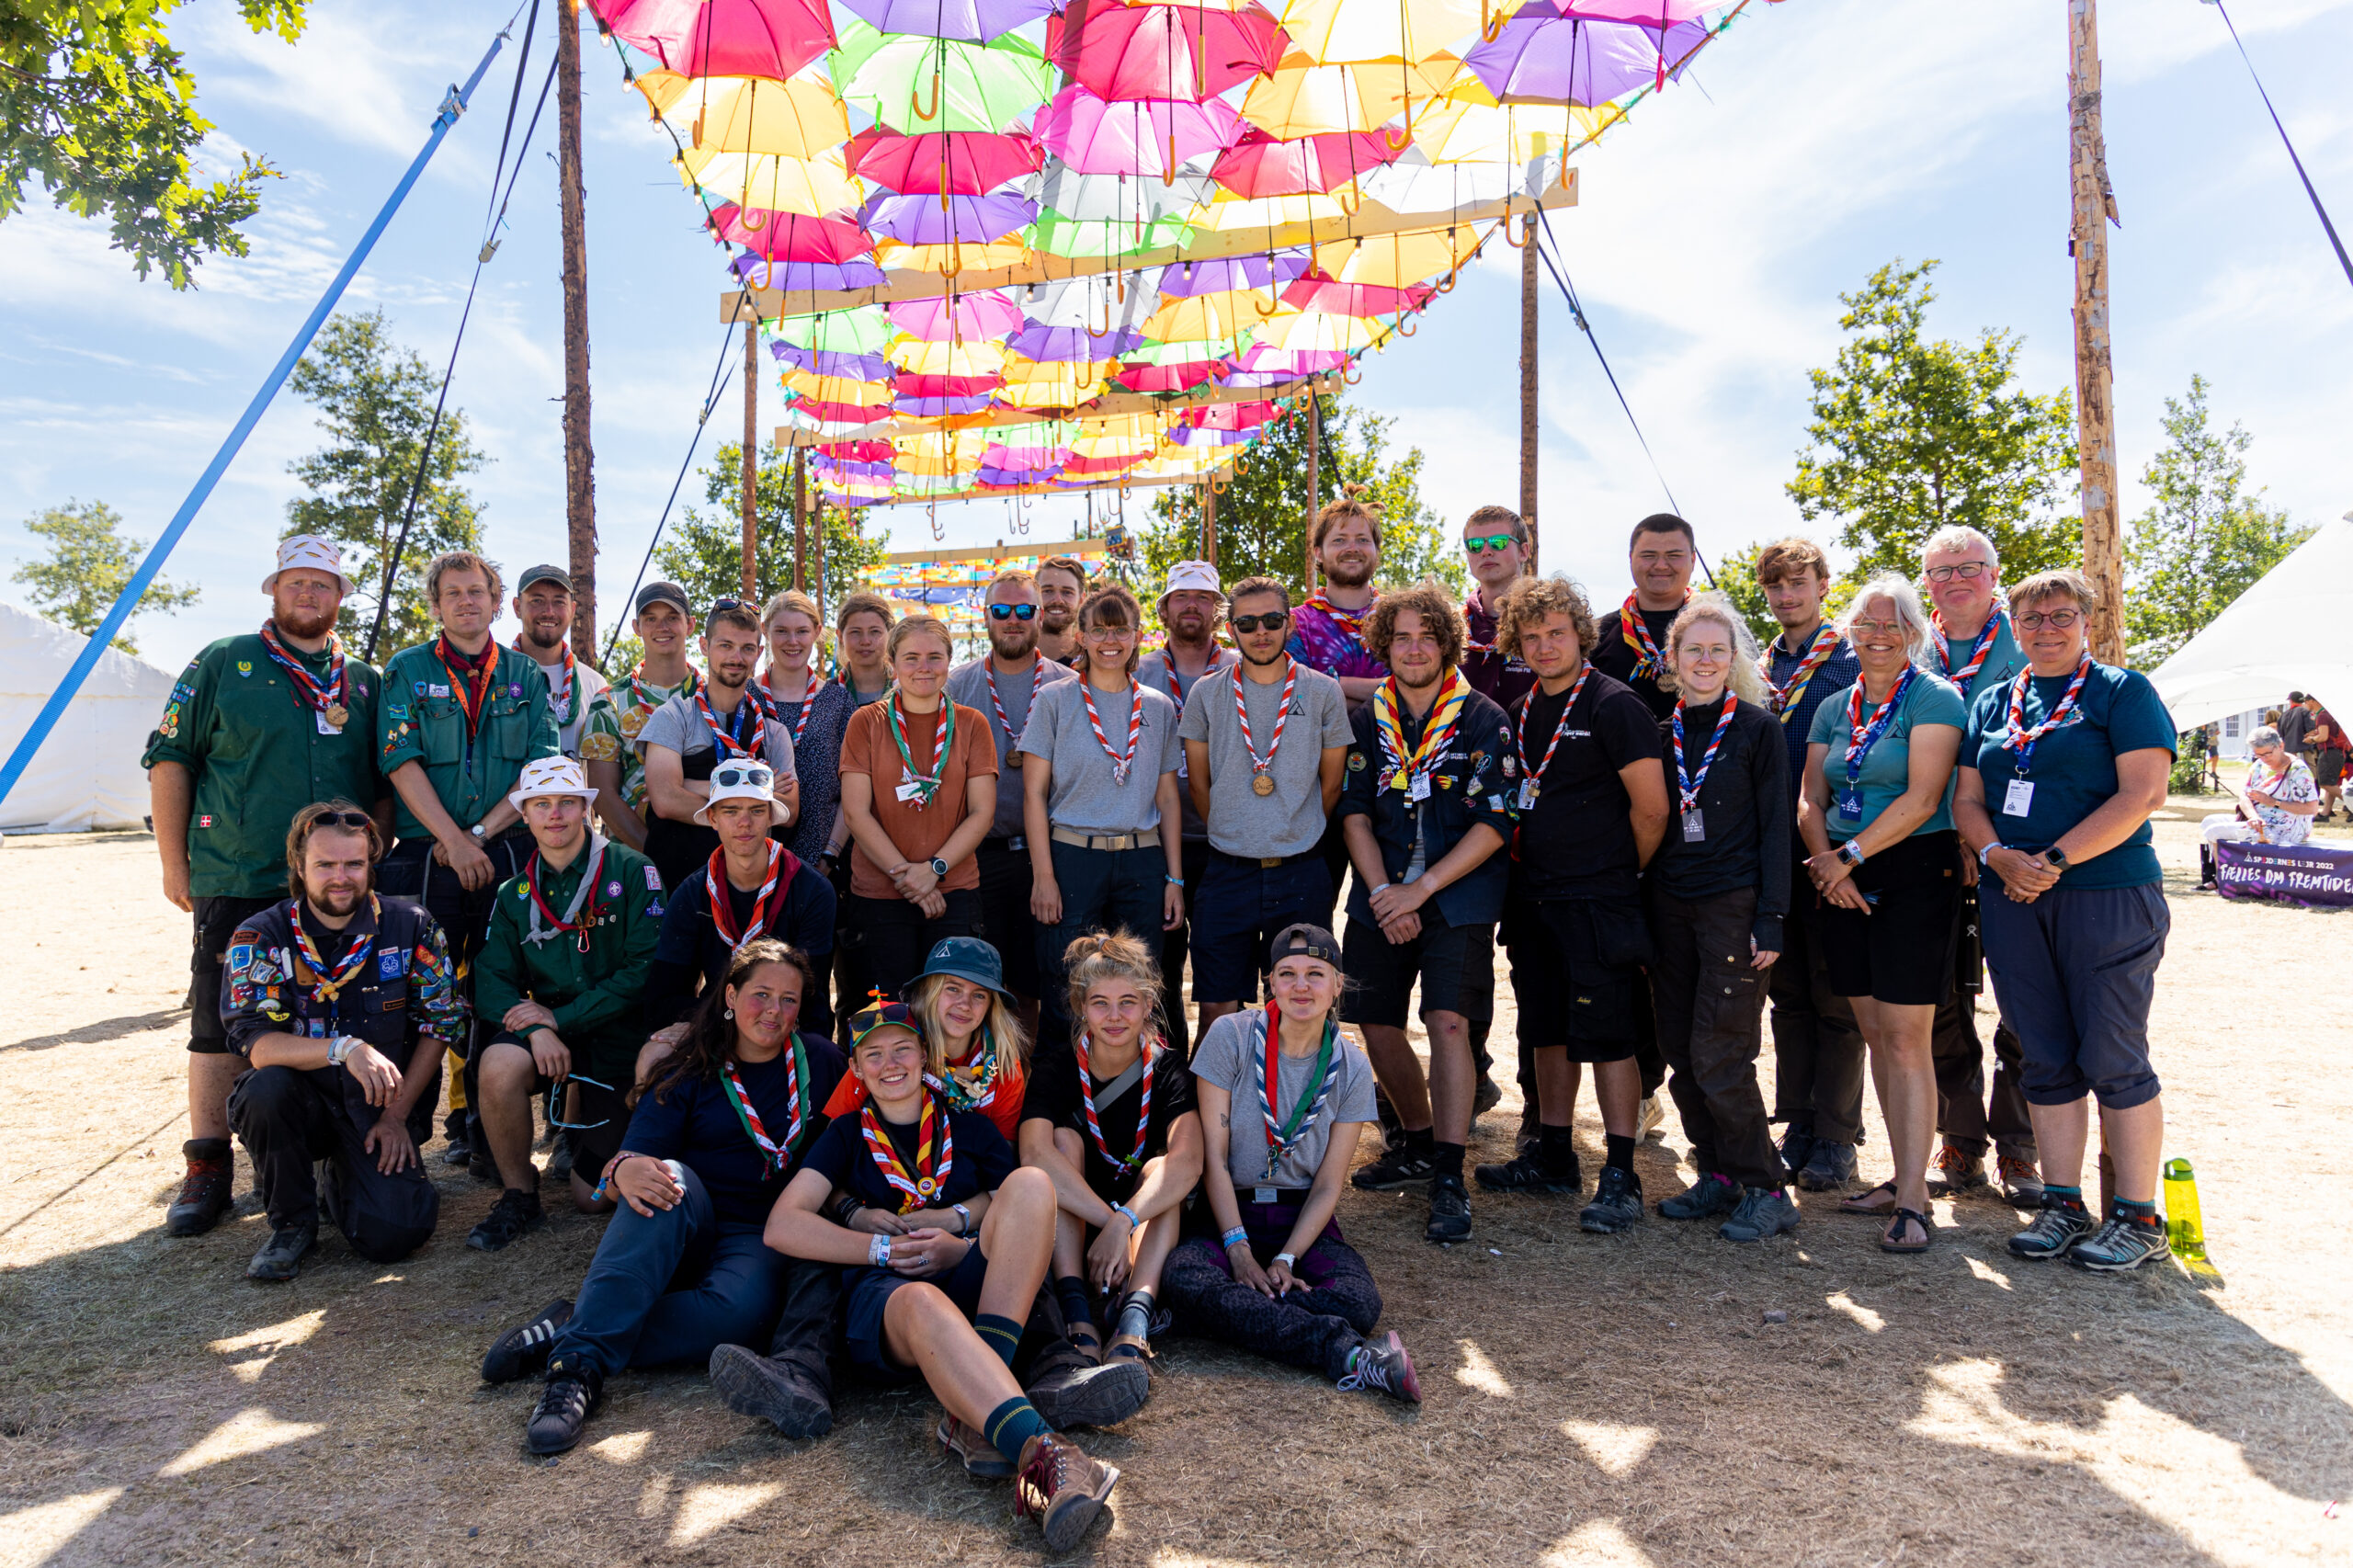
<point x="375" y="399"/>
<point x="1910" y="434"/>
<point x="2207" y="538"/>
<point x="704" y="553"/>
<point x="96" y="105"/>
<point x="1736" y="580"/>
<point x="88" y="566"/>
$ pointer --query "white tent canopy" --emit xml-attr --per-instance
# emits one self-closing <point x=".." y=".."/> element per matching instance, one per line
<point x="2292" y="631"/>
<point x="86" y="774"/>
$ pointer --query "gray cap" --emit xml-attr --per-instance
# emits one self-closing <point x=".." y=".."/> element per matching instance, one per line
<point x="664" y="594"/>
<point x="535" y="576"/>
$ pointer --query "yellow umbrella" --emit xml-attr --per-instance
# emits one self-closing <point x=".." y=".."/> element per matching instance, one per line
<point x="799" y="119"/>
<point x="1273" y="212"/>
<point x="920" y="359"/>
<point x="1028" y="385"/>
<point x="1310" y="330"/>
<point x="1397" y="261"/>
<point x="816" y="188"/>
<point x="997" y="255"/>
<point x="1116" y="446"/>
<point x="837" y="389"/>
<point x="1336" y="32"/>
<point x="1460" y="132"/>
<point x="1306" y="98"/>
<point x="1206" y="318"/>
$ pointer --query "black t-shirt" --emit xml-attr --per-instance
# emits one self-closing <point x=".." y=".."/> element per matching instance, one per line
<point x="694" y="1123"/>
<point x="1053" y="1096"/>
<point x="690" y="946"/>
<point x="1614" y="657"/>
<point x="1577" y="841"/>
<point x="982" y="1159"/>
<point x="1746" y="815"/>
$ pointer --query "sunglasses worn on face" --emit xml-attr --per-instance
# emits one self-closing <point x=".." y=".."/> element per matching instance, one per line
<point x="1013" y="612"/>
<point x="1967" y="570"/>
<point x="1497" y="542"/>
<point x="1273" y="621"/>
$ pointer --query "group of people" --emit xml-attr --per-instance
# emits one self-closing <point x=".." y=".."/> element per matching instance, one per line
<point x="859" y="999"/>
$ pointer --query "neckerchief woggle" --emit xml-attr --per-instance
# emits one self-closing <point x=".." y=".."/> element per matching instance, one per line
<point x="1860" y="737"/>
<point x="1283" y="1137"/>
<point x="943" y="739"/>
<point x="545" y="925"/>
<point x="332" y="979"/>
<point x="1785" y="699"/>
<point x="982" y="1093"/>
<point x="2016" y="736"/>
<point x="1388" y="722"/>
<point x="928" y="1181"/>
<point x="1134" y="1161"/>
<point x="773" y="1155"/>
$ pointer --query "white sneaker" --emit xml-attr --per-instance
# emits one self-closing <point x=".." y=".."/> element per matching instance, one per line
<point x="1653" y="1117"/>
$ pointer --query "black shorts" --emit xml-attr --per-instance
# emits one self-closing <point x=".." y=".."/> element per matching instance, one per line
<point x="870" y="1290"/>
<point x="1576" y="967"/>
<point x="1005" y="876"/>
<point x="1242" y="905"/>
<point x="217" y="920"/>
<point x="1456" y="966"/>
<point x="597" y="1114"/>
<point x="1902" y="953"/>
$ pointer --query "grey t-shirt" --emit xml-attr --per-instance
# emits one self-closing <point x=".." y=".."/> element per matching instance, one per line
<point x="1233" y="1055"/>
<point x="1157" y="670"/>
<point x="570" y="707"/>
<point x="679" y="724"/>
<point x="1084" y="798"/>
<point x="1290" y="821"/>
<point x="968" y="685"/>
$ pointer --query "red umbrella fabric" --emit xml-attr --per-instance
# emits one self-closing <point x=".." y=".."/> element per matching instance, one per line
<point x="1143" y="377"/>
<point x="1260" y="164"/>
<point x="953" y="162"/>
<point x="724" y="37"/>
<point x="1129" y="52"/>
<point x="1316" y="292"/>
<point x="791" y="236"/>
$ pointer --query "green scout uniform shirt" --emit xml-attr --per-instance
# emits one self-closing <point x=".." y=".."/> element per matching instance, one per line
<point x="598" y="996"/>
<point x="615" y="718"/>
<point x="237" y="722"/>
<point x="420" y="721"/>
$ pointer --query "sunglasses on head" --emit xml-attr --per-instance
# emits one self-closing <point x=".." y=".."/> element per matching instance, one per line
<point x="357" y="822"/>
<point x="1013" y="612"/>
<point x="736" y="775"/>
<point x="1497" y="542"/>
<point x="1273" y="621"/>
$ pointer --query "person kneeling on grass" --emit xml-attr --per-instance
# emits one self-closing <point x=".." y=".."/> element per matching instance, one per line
<point x="947" y="1297"/>
<point x="682" y="1269"/>
<point x="1300" y="1095"/>
<point x="1111" y="1119"/>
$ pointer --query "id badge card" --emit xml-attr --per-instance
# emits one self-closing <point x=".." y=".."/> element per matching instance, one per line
<point x="1262" y="1195"/>
<point x="1695" y="827"/>
<point x="2019" y="798"/>
<point x="1850" y="804"/>
<point x="326" y="728"/>
<point x="1418" y="788"/>
<point x="911" y="790"/>
<point x="1527" y="793"/>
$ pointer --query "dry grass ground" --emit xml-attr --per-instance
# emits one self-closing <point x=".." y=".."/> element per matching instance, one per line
<point x="1590" y="1399"/>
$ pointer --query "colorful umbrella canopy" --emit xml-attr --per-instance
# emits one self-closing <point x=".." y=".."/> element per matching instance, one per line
<point x="1260" y="164"/>
<point x="1093" y="136"/>
<point x="865" y="330"/>
<point x="1117" y="196"/>
<point x="959" y="163"/>
<point x="1305" y="98"/>
<point x="938" y="220"/>
<point x="1317" y="292"/>
<point x="1184" y="277"/>
<point x="975" y="21"/>
<point x="790" y="236"/>
<point x="958" y="318"/>
<point x="799" y="118"/>
<point x="916" y="84"/>
<point x="1542" y="57"/>
<point x="816" y="188"/>
<point x="724" y="37"/>
<point x="1054" y="234"/>
<point x="1413" y="184"/>
<point x="1128" y="53"/>
<point x="1343" y="31"/>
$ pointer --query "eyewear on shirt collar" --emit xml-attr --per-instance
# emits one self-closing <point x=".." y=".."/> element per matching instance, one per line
<point x="1273" y="621"/>
<point x="1497" y="542"/>
<point x="1013" y="612"/>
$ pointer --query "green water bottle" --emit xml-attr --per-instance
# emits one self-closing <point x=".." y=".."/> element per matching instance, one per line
<point x="2182" y="1225"/>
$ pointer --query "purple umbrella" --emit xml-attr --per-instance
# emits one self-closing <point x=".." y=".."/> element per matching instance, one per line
<point x="1009" y="476"/>
<point x="921" y="220"/>
<point x="1070" y="345"/>
<point x="1185" y="280"/>
<point x="835" y="471"/>
<point x="1542" y="57"/>
<point x="833" y="362"/>
<point x="972" y="21"/>
<point x="858" y="273"/>
<point x="1184" y="435"/>
<point x="1149" y="137"/>
<point x="932" y="407"/>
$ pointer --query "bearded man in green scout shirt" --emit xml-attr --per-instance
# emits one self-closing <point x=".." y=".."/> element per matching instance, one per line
<point x="258" y="727"/>
<point x="561" y="980"/>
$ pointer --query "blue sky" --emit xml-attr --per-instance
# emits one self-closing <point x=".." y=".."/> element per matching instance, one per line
<point x="1818" y="139"/>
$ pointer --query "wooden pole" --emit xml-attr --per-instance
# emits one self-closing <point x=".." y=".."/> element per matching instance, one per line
<point x="1314" y="485"/>
<point x="2095" y="207"/>
<point x="800" y="519"/>
<point x="1209" y="521"/>
<point x="579" y="456"/>
<point x="1528" y="322"/>
<point x="751" y="459"/>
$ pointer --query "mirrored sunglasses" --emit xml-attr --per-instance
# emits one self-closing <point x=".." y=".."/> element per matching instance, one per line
<point x="1013" y="612"/>
<point x="1497" y="542"/>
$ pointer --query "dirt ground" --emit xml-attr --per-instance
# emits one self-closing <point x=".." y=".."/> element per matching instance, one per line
<point x="1589" y="1399"/>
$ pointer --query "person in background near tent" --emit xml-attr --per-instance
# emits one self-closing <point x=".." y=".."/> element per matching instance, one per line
<point x="1817" y="1050"/>
<point x="942" y="1296"/>
<point x="862" y="626"/>
<point x="1718" y="894"/>
<point x="2295" y="723"/>
<point x="460" y="717"/>
<point x="1877" y="818"/>
<point x="2285" y="797"/>
<point x="560" y="986"/>
<point x="543" y="606"/>
<point x="1976" y="649"/>
<point x="257" y="727"/>
<point x="727" y="719"/>
<point x="1498" y="552"/>
<point x="664" y="626"/>
<point x="683" y="1273"/>
<point x="1063" y="582"/>
<point x="1425" y="811"/>
<point x="1328" y="633"/>
<point x="1591" y="804"/>
<point x="1005" y="684"/>
<point x="1192" y="606"/>
<point x="1283" y="1099"/>
<point x="2326" y="739"/>
<point x="342" y="1006"/>
<point x="2059" y="770"/>
<point x="1266" y="750"/>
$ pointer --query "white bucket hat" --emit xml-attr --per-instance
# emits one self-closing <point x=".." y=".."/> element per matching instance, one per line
<point x="550" y="775"/>
<point x="1196" y="574"/>
<point x="309" y="551"/>
<point x="740" y="779"/>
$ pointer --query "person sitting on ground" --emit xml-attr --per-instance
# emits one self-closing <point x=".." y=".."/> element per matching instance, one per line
<point x="682" y="1269"/>
<point x="341" y="1005"/>
<point x="942" y="1296"/>
<point x="2283" y="793"/>
<point x="968" y="1015"/>
<point x="727" y="718"/>
<point x="1277" y="1279"/>
<point x="1111" y="1118"/>
<point x="563" y="976"/>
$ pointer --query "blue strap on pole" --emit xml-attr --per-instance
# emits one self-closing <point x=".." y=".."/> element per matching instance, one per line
<point x="21" y="759"/>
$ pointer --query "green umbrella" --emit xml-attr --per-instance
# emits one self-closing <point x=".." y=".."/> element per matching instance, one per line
<point x="1189" y="353"/>
<point x="863" y="329"/>
<point x="917" y="85"/>
<point x="1058" y="236"/>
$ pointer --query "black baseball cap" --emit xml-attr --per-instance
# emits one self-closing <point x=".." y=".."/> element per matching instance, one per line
<point x="664" y="594"/>
<point x="543" y="574"/>
<point x="1304" y="940"/>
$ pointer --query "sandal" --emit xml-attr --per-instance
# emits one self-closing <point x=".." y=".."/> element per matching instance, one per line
<point x="1880" y="1199"/>
<point x="1127" y="1347"/>
<point x="1086" y="1340"/>
<point x="1906" y="1218"/>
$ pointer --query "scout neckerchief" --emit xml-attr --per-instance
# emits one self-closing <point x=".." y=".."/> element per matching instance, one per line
<point x="1282" y="1137"/>
<point x="1037" y="679"/>
<point x="929" y="1180"/>
<point x="741" y="734"/>
<point x="2016" y="737"/>
<point x="1261" y="780"/>
<point x="1177" y="689"/>
<point x="559" y="696"/>
<point x="926" y="784"/>
<point x="1120" y="761"/>
<point x="546" y="924"/>
<point x="1411" y="773"/>
<point x="327" y="699"/>
<point x="1860" y="737"/>
<point x="1988" y="635"/>
<point x="1690" y="783"/>
<point x="798" y="1090"/>
<point x="472" y="687"/>
<point x="1530" y="778"/>
<point x="333" y="978"/>
<point x="1349" y="621"/>
<point x="723" y="908"/>
<point x="636" y="688"/>
<point x="1648" y="660"/>
<point x="1133" y="1162"/>
<point x="1784" y="697"/>
<point x="984" y="1063"/>
<point x="808" y="700"/>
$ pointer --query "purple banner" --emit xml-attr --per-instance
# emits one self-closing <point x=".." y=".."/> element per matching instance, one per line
<point x="2306" y="874"/>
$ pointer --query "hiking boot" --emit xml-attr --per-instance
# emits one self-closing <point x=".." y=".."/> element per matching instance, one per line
<point x="1763" y="1211"/>
<point x="1528" y="1173"/>
<point x="523" y="1351"/>
<point x="1653" y="1118"/>
<point x="2122" y="1245"/>
<point x="1617" y="1202"/>
<point x="1450" y="1210"/>
<point x="980" y="1456"/>
<point x="1486" y="1097"/>
<point x="560" y="1158"/>
<point x="1398" y="1169"/>
<point x="1089" y="1395"/>
<point x="1530" y="1128"/>
<point x="461" y="1145"/>
<point x="1062" y="1487"/>
<point x="280" y="1258"/>
<point x="572" y="1394"/>
<point x="780" y="1392"/>
<point x="481" y="1168"/>
<point x="1381" y="1366"/>
<point x="2022" y="1182"/>
<point x="2059" y="1225"/>
<point x="1960" y="1172"/>
<point x="205" y="1191"/>
<point x="1797" y="1146"/>
<point x="515" y="1212"/>
<point x="1828" y="1167"/>
<point x="1710" y="1195"/>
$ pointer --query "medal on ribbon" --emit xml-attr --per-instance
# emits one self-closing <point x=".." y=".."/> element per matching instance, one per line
<point x="1012" y="741"/>
<point x="1261" y="779"/>
<point x="325" y="697"/>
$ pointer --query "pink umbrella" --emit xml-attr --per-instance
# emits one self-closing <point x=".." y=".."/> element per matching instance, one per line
<point x="1152" y="137"/>
<point x="1189" y="53"/>
<point x="724" y="37"/>
<point x="1143" y="377"/>
<point x="954" y="163"/>
<point x="790" y="236"/>
<point x="1260" y="164"/>
<point x="1317" y="292"/>
<point x="966" y="318"/>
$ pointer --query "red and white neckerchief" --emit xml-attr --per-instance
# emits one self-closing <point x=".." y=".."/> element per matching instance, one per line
<point x="1470" y="644"/>
<point x="1177" y="689"/>
<point x="1120" y="761"/>
<point x="1648" y="660"/>
<point x="1259" y="766"/>
<point x="1784" y="698"/>
<point x="1037" y="679"/>
<point x="723" y="908"/>
<point x="324" y="699"/>
<point x="1134" y="1161"/>
<point x="748" y="716"/>
<point x="345" y="970"/>
<point x="808" y="700"/>
<point x="929" y="1179"/>
<point x="1531" y="778"/>
<point x="559" y="695"/>
<point x="580" y="916"/>
<point x="773" y="1154"/>
<point x="2016" y="736"/>
<point x="1988" y="635"/>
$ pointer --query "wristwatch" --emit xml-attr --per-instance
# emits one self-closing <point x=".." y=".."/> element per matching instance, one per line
<point x="938" y="867"/>
<point x="1851" y="852"/>
<point x="1287" y="1260"/>
<point x="476" y="831"/>
<point x="2056" y="857"/>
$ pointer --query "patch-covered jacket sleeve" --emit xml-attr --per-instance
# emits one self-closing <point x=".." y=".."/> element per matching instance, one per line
<point x="433" y="1000"/>
<point x="622" y="993"/>
<point x="254" y="1001"/>
<point x="398" y="738"/>
<point x="180" y="734"/>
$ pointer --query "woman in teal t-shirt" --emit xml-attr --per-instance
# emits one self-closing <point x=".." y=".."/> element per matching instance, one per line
<point x="1877" y="819"/>
<point x="2061" y="768"/>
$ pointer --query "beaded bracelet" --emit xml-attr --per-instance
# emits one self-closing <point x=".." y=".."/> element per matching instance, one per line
<point x="1134" y="1224"/>
<point x="605" y="1178"/>
<point x="1236" y="1234"/>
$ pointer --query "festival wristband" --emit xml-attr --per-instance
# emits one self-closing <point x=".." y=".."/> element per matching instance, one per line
<point x="340" y="1048"/>
<point x="1176" y="881"/>
<point x="605" y="1178"/>
<point x="1130" y="1214"/>
<point x="1985" y="855"/>
<point x="878" y="1252"/>
<point x="1236" y="1237"/>
<point x="1287" y="1260"/>
<point x="963" y="1219"/>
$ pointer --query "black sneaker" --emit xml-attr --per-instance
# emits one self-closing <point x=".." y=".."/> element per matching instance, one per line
<point x="1617" y="1202"/>
<point x="1398" y="1169"/>
<point x="280" y="1258"/>
<point x="1450" y="1210"/>
<point x="461" y="1146"/>
<point x="1763" y="1211"/>
<point x="515" y="1212"/>
<point x="2122" y="1245"/>
<point x="1089" y="1395"/>
<point x="776" y="1392"/>
<point x="1829" y="1166"/>
<point x="523" y="1351"/>
<point x="1528" y="1173"/>
<point x="205" y="1191"/>
<point x="1381" y="1366"/>
<point x="1486" y="1097"/>
<point x="2058" y="1226"/>
<point x="1797" y="1146"/>
<point x="1709" y="1196"/>
<point x="572" y="1394"/>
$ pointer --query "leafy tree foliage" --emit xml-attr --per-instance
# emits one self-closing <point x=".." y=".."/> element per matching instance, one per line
<point x="88" y="566"/>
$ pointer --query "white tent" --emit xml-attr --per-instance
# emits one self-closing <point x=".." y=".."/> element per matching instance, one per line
<point x="86" y="774"/>
<point x="2288" y="632"/>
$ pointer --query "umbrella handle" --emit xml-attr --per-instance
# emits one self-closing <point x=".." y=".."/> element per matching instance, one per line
<point x="1401" y="329"/>
<point x="1394" y="145"/>
<point x="1505" y="224"/>
<point x="914" y="99"/>
<point x="1493" y="31"/>
<point x="1266" y="313"/>
<point x="1348" y="380"/>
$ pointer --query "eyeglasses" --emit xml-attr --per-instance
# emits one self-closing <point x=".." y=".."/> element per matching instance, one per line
<point x="739" y="774"/>
<point x="1866" y="628"/>
<point x="357" y="822"/>
<point x="555" y="1098"/>
<point x="1273" y="621"/>
<point x="1013" y="612"/>
<point x="1967" y="570"/>
<point x="1497" y="542"/>
<point x="2057" y="620"/>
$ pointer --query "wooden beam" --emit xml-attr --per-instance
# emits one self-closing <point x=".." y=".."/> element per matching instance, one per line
<point x="1112" y="481"/>
<point x="1110" y="405"/>
<point x="2095" y="205"/>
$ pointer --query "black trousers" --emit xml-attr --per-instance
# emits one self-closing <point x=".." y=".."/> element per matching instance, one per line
<point x="845" y="966"/>
<point x="1817" y="1049"/>
<point x="1964" y="1114"/>
<point x="1006" y="879"/>
<point x="895" y="939"/>
<point x="1710" y="1004"/>
<point x="1174" y="947"/>
<point x="289" y="1120"/>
